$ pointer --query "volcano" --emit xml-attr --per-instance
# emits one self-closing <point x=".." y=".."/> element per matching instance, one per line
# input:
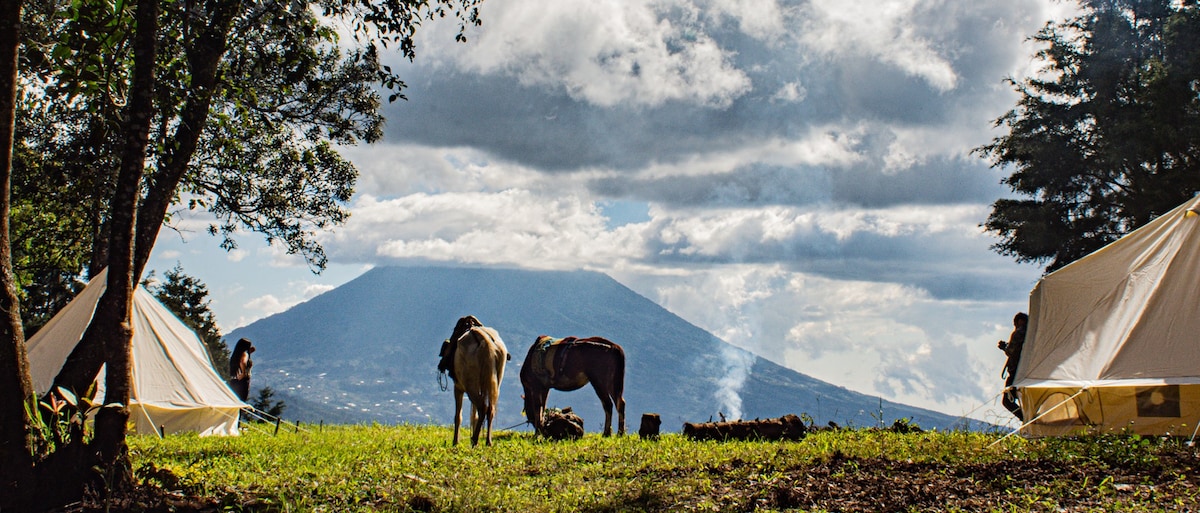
<point x="367" y="351"/>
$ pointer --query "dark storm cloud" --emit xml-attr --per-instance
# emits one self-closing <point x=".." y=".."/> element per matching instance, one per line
<point x="941" y="181"/>
<point x="755" y="185"/>
<point x="943" y="262"/>
<point x="546" y="128"/>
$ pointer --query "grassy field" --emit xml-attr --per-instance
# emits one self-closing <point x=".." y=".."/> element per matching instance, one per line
<point x="414" y="468"/>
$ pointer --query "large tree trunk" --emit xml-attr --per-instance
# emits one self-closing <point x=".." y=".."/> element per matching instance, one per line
<point x="110" y="326"/>
<point x="16" y="389"/>
<point x="204" y="54"/>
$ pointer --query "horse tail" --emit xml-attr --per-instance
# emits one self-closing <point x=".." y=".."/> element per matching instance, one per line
<point x="619" y="373"/>
<point x="619" y="389"/>
<point x="500" y="353"/>
<point x="493" y="376"/>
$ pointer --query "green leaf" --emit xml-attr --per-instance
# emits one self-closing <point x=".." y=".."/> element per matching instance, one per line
<point x="68" y="396"/>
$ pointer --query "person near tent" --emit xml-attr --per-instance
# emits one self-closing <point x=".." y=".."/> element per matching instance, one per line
<point x="1012" y="348"/>
<point x="176" y="385"/>
<point x="239" y="368"/>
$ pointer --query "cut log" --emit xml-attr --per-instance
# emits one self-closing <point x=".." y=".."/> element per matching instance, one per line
<point x="650" y="424"/>
<point x="787" y="427"/>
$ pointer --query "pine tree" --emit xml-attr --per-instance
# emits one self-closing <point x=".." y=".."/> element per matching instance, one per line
<point x="1107" y="137"/>
<point x="187" y="297"/>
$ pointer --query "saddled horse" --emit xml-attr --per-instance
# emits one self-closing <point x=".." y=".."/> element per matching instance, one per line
<point x="569" y="364"/>
<point x="478" y="367"/>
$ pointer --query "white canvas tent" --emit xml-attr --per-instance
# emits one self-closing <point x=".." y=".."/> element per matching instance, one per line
<point x="174" y="384"/>
<point x="1114" y="338"/>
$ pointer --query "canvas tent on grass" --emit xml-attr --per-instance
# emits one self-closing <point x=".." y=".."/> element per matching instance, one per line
<point x="174" y="384"/>
<point x="1113" y="341"/>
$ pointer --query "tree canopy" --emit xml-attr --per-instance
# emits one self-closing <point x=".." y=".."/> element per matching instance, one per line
<point x="127" y="112"/>
<point x="1107" y="136"/>
<point x="250" y="102"/>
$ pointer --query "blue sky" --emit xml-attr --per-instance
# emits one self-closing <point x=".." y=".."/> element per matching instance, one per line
<point x="794" y="176"/>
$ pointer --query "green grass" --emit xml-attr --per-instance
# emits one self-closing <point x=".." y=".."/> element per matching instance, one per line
<point x="414" y="468"/>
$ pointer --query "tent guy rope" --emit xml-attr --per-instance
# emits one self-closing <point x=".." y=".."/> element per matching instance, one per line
<point x="1035" y="419"/>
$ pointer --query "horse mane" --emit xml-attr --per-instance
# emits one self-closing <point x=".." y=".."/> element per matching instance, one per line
<point x="546" y="341"/>
<point x="597" y="341"/>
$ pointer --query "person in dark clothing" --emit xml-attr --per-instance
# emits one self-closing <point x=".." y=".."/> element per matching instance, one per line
<point x="239" y="368"/>
<point x="1012" y="349"/>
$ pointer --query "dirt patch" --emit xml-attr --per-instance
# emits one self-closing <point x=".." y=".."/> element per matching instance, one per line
<point x="880" y="485"/>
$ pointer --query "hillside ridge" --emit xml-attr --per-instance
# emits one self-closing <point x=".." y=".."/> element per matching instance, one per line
<point x="367" y="352"/>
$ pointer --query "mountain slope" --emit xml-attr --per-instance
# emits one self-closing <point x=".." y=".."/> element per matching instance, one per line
<point x="367" y="352"/>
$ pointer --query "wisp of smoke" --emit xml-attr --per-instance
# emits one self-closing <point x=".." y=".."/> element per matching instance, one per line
<point x="737" y="364"/>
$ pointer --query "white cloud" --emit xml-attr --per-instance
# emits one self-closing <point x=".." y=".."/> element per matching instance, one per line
<point x="508" y="227"/>
<point x="606" y="52"/>
<point x="237" y="255"/>
<point x="832" y="146"/>
<point x="791" y="92"/>
<point x="724" y="299"/>
<point x="823" y="230"/>
<point x="315" y="289"/>
<point x="762" y="19"/>
<point x="390" y="170"/>
<point x="267" y="304"/>
<point x="884" y="30"/>
<point x="517" y="227"/>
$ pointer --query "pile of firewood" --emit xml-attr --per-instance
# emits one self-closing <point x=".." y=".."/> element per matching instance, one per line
<point x="787" y="427"/>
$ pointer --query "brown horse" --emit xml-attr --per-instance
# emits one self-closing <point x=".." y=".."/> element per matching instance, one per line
<point x="569" y="364"/>
<point x="478" y="355"/>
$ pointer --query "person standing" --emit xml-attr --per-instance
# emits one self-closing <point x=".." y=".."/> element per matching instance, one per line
<point x="1012" y="349"/>
<point x="239" y="368"/>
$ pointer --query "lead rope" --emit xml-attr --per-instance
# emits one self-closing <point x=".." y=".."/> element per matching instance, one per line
<point x="515" y="426"/>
